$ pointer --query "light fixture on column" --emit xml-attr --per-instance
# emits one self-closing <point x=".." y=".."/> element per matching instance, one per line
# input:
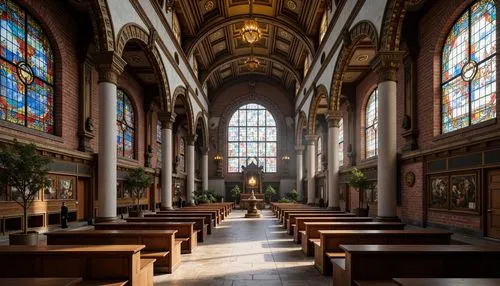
<point x="218" y="163"/>
<point x="250" y="32"/>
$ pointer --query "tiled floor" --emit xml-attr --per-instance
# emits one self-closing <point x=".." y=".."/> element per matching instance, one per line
<point x="245" y="251"/>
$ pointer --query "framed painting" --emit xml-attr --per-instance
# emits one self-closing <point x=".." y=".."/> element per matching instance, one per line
<point x="438" y="192"/>
<point x="66" y="188"/>
<point x="464" y="192"/>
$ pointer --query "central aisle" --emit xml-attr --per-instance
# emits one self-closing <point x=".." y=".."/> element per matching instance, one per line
<point x="244" y="251"/>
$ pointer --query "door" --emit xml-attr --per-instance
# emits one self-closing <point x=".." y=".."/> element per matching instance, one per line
<point x="81" y="199"/>
<point x="493" y="211"/>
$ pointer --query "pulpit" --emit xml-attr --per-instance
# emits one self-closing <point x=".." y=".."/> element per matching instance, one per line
<point x="252" y="182"/>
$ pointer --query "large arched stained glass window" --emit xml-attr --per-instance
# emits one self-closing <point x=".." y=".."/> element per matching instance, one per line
<point x="341" y="142"/>
<point x="126" y="126"/>
<point x="26" y="70"/>
<point x="371" y="126"/>
<point x="251" y="134"/>
<point x="468" y="66"/>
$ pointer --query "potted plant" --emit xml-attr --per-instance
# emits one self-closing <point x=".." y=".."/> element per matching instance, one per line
<point x="269" y="193"/>
<point x="235" y="194"/>
<point x="136" y="183"/>
<point x="24" y="170"/>
<point x="293" y="195"/>
<point x="359" y="181"/>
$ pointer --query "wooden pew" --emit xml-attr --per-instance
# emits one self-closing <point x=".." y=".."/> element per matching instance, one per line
<point x="214" y="213"/>
<point x="199" y="223"/>
<point x="160" y="244"/>
<point x="383" y="262"/>
<point x="209" y="219"/>
<point x="291" y="218"/>
<point x="330" y="241"/>
<point x="302" y="209"/>
<point x="446" y="281"/>
<point x="185" y="230"/>
<point x="300" y="223"/>
<point x="41" y="281"/>
<point x="311" y="233"/>
<point x="286" y="214"/>
<point x="98" y="262"/>
<point x="220" y="211"/>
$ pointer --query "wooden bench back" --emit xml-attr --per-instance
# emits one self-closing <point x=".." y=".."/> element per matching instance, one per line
<point x="292" y="216"/>
<point x="312" y="228"/>
<point x="198" y="221"/>
<point x="184" y="229"/>
<point x="207" y="215"/>
<point x="300" y="220"/>
<point x="157" y="240"/>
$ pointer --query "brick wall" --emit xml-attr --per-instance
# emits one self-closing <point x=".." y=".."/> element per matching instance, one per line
<point x="412" y="208"/>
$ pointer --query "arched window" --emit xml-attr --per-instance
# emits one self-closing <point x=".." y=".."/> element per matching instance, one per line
<point x="251" y="134"/>
<point x="26" y="70"/>
<point x="468" y="63"/>
<point x="126" y="126"/>
<point x="341" y="142"/>
<point x="371" y="125"/>
<point x="319" y="154"/>
<point x="323" y="26"/>
<point x="158" y="141"/>
<point x="182" y="154"/>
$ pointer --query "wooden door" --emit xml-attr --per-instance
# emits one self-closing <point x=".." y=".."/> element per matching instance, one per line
<point x="493" y="210"/>
<point x="82" y="199"/>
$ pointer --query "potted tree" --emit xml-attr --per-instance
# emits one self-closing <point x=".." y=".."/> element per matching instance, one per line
<point x="235" y="194"/>
<point x="269" y="193"/>
<point x="136" y="183"/>
<point x="24" y="170"/>
<point x="359" y="181"/>
<point x="293" y="195"/>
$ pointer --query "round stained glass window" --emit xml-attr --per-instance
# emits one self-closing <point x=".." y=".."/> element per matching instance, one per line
<point x="469" y="70"/>
<point x="25" y="73"/>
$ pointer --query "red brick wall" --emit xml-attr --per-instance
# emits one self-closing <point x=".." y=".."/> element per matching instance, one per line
<point x="456" y="220"/>
<point x="412" y="208"/>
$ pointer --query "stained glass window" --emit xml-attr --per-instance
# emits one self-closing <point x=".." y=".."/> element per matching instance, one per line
<point x="341" y="142"/>
<point x="182" y="154"/>
<point x="125" y="122"/>
<point x="371" y="126"/>
<point x="158" y="141"/>
<point x="251" y="134"/>
<point x="26" y="70"/>
<point x="319" y="154"/>
<point x="468" y="63"/>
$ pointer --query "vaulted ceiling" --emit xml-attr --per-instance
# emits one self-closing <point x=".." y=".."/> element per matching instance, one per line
<point x="211" y="32"/>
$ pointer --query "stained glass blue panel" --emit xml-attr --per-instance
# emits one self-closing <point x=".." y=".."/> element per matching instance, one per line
<point x="252" y="134"/>
<point x="40" y="105"/>
<point x="232" y="133"/>
<point x="158" y="131"/>
<point x="39" y="52"/>
<point x="483" y="97"/>
<point x="232" y="165"/>
<point x="252" y="148"/>
<point x="371" y="116"/>
<point x="232" y="150"/>
<point x="125" y="126"/>
<point x="13" y="32"/>
<point x="252" y="117"/>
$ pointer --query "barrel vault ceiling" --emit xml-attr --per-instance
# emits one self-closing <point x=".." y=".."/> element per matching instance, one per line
<point x="211" y="32"/>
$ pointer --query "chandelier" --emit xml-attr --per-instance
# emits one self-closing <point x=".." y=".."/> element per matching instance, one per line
<point x="250" y="32"/>
<point x="252" y="63"/>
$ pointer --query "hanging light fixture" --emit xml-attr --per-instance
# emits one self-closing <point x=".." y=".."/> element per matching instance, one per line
<point x="252" y="62"/>
<point x="250" y="32"/>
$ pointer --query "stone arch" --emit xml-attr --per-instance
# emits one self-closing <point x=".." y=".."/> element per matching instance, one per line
<point x="360" y="31"/>
<point x="147" y="40"/>
<point x="182" y="92"/>
<point x="320" y="93"/>
<point x="103" y="25"/>
<point x="301" y="124"/>
<point x="200" y="117"/>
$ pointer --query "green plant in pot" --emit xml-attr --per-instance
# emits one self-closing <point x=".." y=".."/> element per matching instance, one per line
<point x="269" y="193"/>
<point x="136" y="183"/>
<point x="25" y="170"/>
<point x="293" y="195"/>
<point x="235" y="194"/>
<point x="359" y="181"/>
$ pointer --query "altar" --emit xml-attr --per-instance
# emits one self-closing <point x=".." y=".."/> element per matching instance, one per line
<point x="252" y="181"/>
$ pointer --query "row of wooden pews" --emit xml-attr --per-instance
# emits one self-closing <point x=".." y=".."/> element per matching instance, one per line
<point x="126" y="252"/>
<point x="360" y="251"/>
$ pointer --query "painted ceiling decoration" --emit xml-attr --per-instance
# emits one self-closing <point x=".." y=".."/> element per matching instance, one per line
<point x="288" y="30"/>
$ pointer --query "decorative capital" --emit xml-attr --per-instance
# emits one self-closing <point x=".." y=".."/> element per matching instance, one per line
<point x="205" y="151"/>
<point x="333" y="118"/>
<point x="110" y="66"/>
<point x="311" y="139"/>
<point x="167" y="119"/>
<point x="386" y="65"/>
<point x="191" y="138"/>
<point x="299" y="150"/>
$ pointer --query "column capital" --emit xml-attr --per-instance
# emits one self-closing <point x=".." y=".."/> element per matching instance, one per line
<point x="299" y="150"/>
<point x="110" y="65"/>
<point x="311" y="139"/>
<point x="191" y="138"/>
<point x="386" y="65"/>
<point x="204" y="151"/>
<point x="333" y="118"/>
<point x="166" y="119"/>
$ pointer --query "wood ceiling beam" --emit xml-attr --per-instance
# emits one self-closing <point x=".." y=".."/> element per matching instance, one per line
<point x="218" y="23"/>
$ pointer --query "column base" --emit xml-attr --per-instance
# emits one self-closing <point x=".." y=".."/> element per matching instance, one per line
<point x="387" y="219"/>
<point x="311" y="204"/>
<point x="166" y="208"/>
<point x="106" y="219"/>
<point x="333" y="208"/>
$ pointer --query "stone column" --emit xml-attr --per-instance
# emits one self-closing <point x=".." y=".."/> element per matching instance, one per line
<point x="311" y="168"/>
<point x="190" y="188"/>
<point x="167" y="121"/>
<point x="110" y="65"/>
<point x="386" y="66"/>
<point x="333" y="160"/>
<point x="204" y="169"/>
<point x="300" y="169"/>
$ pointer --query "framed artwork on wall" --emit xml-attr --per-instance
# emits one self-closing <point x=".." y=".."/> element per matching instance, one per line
<point x="438" y="192"/>
<point x="66" y="188"/>
<point x="464" y="192"/>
